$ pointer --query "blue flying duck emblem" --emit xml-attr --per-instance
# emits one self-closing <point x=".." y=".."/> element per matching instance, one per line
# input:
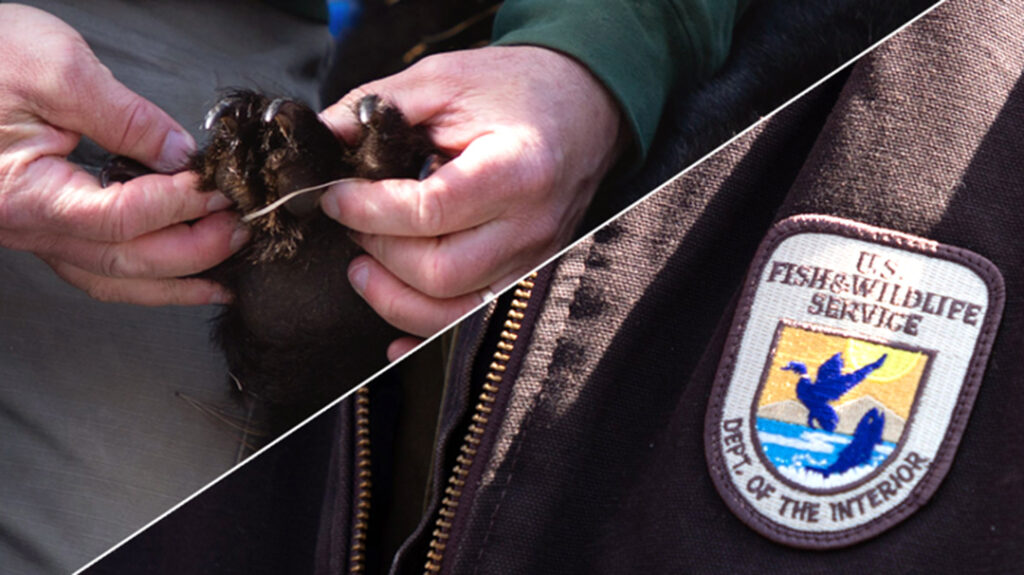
<point x="853" y="360"/>
<point x="830" y="385"/>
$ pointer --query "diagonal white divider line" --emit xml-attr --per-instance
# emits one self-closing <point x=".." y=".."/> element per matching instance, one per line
<point x="427" y="341"/>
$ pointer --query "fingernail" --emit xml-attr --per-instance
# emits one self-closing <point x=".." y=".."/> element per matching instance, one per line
<point x="175" y="152"/>
<point x="358" y="275"/>
<point x="217" y="202"/>
<point x="330" y="206"/>
<point x="220" y="297"/>
<point x="238" y="238"/>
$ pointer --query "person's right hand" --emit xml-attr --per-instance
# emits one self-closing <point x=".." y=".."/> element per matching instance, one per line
<point x="531" y="133"/>
<point x="128" y="242"/>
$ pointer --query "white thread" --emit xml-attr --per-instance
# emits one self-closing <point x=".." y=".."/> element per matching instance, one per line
<point x="280" y="202"/>
<point x="486" y="294"/>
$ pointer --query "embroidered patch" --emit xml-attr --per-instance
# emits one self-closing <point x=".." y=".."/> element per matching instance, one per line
<point x="850" y="370"/>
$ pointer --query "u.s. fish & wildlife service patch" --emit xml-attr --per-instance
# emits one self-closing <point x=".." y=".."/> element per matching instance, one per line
<point x="850" y="370"/>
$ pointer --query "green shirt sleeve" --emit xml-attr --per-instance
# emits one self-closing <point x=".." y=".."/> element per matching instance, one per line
<point x="640" y="50"/>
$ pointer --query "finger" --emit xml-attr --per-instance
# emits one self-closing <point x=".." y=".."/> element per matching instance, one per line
<point x="475" y="187"/>
<point x="150" y="292"/>
<point x="458" y="263"/>
<point x="402" y="346"/>
<point x="416" y="91"/>
<point x="402" y="306"/>
<point x="69" y="201"/>
<point x="342" y="119"/>
<point x="102" y="108"/>
<point x="174" y="251"/>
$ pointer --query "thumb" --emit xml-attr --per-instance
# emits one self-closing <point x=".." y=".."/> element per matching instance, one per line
<point x="121" y="121"/>
<point x="418" y="92"/>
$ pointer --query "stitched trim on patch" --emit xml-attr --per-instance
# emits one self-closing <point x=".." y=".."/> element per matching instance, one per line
<point x="850" y="370"/>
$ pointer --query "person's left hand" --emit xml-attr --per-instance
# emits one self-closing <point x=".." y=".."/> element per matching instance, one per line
<point x="532" y="133"/>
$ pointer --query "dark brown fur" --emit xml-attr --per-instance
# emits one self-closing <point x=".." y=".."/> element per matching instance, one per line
<point x="296" y="335"/>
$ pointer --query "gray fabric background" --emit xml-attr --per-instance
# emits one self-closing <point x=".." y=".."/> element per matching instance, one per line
<point x="94" y="441"/>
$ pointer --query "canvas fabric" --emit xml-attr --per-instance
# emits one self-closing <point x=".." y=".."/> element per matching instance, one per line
<point x="598" y="465"/>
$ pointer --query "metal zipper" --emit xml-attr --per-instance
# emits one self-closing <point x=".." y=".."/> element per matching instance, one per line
<point x="357" y="544"/>
<point x="481" y="417"/>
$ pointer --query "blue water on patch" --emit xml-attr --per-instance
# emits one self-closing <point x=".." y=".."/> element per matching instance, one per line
<point x="791" y="446"/>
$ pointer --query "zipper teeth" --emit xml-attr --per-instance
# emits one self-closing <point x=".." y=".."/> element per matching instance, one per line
<point x="357" y="546"/>
<point x="480" y="419"/>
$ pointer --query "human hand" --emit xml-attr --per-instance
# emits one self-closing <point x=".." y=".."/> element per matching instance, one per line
<point x="531" y="133"/>
<point x="127" y="242"/>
